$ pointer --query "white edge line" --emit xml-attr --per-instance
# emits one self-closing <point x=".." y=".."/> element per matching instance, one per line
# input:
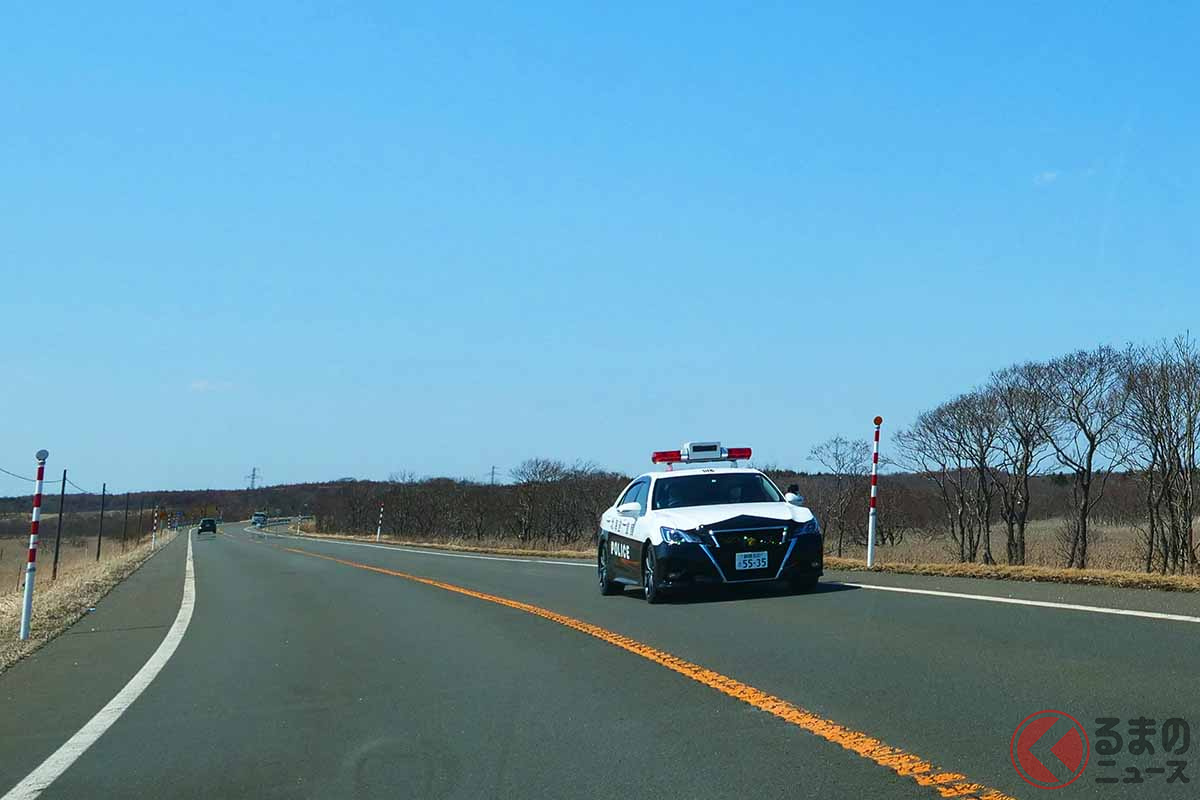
<point x="40" y="779"/>
<point x="1120" y="612"/>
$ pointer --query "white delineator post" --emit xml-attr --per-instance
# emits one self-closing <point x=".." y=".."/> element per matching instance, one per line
<point x="31" y="563"/>
<point x="154" y="530"/>
<point x="874" y="490"/>
<point x="379" y="527"/>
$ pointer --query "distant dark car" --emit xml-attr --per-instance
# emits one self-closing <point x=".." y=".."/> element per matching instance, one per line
<point x="208" y="525"/>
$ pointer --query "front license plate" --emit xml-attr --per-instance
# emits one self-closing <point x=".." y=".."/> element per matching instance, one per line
<point x="750" y="561"/>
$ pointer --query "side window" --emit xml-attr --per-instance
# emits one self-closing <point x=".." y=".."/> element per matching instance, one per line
<point x="640" y="496"/>
<point x="635" y="494"/>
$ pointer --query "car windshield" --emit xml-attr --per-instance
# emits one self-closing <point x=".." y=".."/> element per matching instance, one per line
<point x="707" y="489"/>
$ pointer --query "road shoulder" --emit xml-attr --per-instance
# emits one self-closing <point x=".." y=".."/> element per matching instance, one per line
<point x="49" y="695"/>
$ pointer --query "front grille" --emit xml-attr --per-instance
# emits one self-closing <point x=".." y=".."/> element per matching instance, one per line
<point x="730" y="542"/>
<point x="750" y="539"/>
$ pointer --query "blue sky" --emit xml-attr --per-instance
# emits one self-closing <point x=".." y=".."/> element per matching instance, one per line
<point x="441" y="237"/>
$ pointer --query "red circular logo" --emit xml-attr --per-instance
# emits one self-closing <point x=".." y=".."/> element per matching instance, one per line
<point x="1049" y="749"/>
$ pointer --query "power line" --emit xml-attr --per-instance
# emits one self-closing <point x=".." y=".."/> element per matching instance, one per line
<point x="15" y="475"/>
<point x="77" y="486"/>
<point x="33" y="480"/>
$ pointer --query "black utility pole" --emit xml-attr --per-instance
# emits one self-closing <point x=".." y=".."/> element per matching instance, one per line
<point x="141" y="501"/>
<point x="62" y="499"/>
<point x="100" y="534"/>
<point x="125" y="524"/>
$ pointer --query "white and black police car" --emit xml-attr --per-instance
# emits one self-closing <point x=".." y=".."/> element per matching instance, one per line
<point x="706" y="525"/>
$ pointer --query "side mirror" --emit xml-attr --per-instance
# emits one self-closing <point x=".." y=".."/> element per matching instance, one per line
<point x="629" y="508"/>
<point x="794" y="499"/>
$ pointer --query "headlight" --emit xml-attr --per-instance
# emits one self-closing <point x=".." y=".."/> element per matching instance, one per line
<point x="806" y="528"/>
<point x="676" y="536"/>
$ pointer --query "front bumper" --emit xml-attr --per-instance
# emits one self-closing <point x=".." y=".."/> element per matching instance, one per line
<point x="681" y="565"/>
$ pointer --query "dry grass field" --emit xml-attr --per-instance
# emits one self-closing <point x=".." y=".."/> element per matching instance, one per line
<point x="81" y="583"/>
<point x="78" y="546"/>
<point x="1109" y="548"/>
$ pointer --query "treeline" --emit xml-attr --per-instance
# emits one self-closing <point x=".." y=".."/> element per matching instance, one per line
<point x="81" y="517"/>
<point x="550" y="503"/>
<point x="193" y="503"/>
<point x="1120" y="426"/>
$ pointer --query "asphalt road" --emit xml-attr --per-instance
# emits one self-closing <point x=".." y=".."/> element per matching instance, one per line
<point x="304" y="676"/>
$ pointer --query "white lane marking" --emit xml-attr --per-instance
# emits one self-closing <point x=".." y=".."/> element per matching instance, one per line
<point x="397" y="548"/>
<point x="59" y="761"/>
<point x="1120" y="612"/>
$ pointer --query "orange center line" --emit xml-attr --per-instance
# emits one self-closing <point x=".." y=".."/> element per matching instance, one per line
<point x="922" y="772"/>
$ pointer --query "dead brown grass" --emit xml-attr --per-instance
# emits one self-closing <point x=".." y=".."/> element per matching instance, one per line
<point x="1092" y="577"/>
<point x="1113" y="557"/>
<point x="77" y="550"/>
<point x="1110" y="547"/>
<point x="82" y="582"/>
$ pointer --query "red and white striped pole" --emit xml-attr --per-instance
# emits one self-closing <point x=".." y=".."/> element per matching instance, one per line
<point x="154" y="531"/>
<point x="31" y="564"/>
<point x="874" y="490"/>
<point x="379" y="527"/>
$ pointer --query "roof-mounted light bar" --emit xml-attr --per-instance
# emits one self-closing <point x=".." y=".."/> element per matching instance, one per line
<point x="698" y="452"/>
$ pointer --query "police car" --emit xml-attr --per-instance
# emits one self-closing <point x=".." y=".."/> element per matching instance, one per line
<point x="706" y="525"/>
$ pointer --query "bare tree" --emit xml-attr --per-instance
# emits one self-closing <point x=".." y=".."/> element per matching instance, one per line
<point x="533" y="478"/>
<point x="848" y="463"/>
<point x="1020" y="446"/>
<point x="975" y="421"/>
<point x="900" y="514"/>
<point x="1163" y="422"/>
<point x="932" y="449"/>
<point x="1086" y="395"/>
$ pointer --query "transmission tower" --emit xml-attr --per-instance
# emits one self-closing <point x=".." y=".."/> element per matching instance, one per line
<point x="253" y="477"/>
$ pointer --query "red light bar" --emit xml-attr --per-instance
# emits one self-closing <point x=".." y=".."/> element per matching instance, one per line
<point x="738" y="453"/>
<point x="666" y="457"/>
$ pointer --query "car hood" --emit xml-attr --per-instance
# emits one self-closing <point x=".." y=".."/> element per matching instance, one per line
<point x="695" y="516"/>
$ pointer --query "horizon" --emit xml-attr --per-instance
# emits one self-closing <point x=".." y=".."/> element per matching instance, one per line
<point x="885" y="470"/>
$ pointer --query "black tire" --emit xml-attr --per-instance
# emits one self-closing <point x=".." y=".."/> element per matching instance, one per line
<point x="650" y="578"/>
<point x="804" y="584"/>
<point x="607" y="587"/>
